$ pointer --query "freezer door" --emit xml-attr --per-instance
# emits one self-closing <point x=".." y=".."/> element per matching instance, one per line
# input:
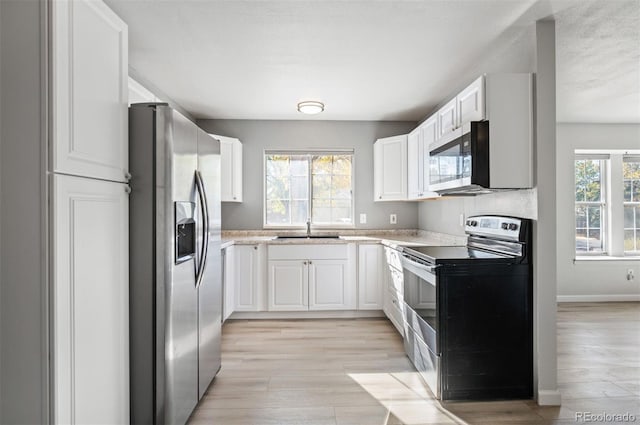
<point x="210" y="288"/>
<point x="177" y="161"/>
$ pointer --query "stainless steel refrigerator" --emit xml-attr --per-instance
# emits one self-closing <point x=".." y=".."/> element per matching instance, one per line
<point x="175" y="266"/>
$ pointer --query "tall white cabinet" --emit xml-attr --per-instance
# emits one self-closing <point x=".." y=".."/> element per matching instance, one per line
<point x="91" y="299"/>
<point x="89" y="208"/>
<point x="89" y="90"/>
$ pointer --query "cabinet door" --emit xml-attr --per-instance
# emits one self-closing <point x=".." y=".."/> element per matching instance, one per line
<point x="429" y="136"/>
<point x="228" y="282"/>
<point x="90" y="263"/>
<point x="429" y="131"/>
<point x="231" y="168"/>
<point x="471" y="102"/>
<point x="414" y="165"/>
<point x="370" y="277"/>
<point x="288" y="285"/>
<point x="447" y="118"/>
<point x="89" y="90"/>
<point x="329" y="285"/>
<point x="246" y="277"/>
<point x="390" y="168"/>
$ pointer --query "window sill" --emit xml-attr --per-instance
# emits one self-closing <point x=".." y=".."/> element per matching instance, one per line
<point x="587" y="258"/>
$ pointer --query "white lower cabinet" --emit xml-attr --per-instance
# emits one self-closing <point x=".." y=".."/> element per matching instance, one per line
<point x="228" y="281"/>
<point x="248" y="277"/>
<point x="370" y="277"/>
<point x="288" y="285"/>
<point x="393" y="289"/>
<point x="311" y="277"/>
<point x="329" y="285"/>
<point x="90" y="292"/>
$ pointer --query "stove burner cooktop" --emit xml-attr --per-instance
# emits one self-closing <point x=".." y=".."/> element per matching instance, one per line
<point x="442" y="254"/>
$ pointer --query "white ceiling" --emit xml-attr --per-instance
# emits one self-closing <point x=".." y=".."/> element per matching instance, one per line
<point x="377" y="60"/>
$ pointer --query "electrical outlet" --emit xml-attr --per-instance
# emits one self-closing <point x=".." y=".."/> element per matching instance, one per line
<point x="393" y="219"/>
<point x="363" y="218"/>
<point x="630" y="274"/>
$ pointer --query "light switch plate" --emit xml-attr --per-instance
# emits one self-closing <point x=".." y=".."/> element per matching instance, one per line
<point x="393" y="219"/>
<point x="363" y="218"/>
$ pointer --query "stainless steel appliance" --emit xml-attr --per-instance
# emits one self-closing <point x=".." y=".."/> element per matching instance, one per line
<point x="175" y="268"/>
<point x="468" y="312"/>
<point x="461" y="163"/>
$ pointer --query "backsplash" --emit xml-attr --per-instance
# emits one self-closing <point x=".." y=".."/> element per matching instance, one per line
<point x="443" y="215"/>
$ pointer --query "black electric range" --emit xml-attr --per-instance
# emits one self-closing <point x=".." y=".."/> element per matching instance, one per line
<point x="468" y="311"/>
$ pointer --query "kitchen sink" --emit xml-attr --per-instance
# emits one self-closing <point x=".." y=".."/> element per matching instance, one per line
<point x="308" y="237"/>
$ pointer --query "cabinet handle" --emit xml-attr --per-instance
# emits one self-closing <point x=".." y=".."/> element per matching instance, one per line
<point x="234" y="197"/>
<point x="379" y="197"/>
<point x="309" y="262"/>
<point x="255" y="247"/>
<point x="127" y="189"/>
<point x="127" y="176"/>
<point x="304" y="262"/>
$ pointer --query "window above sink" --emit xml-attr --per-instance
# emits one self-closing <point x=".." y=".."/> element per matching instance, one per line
<point x="310" y="184"/>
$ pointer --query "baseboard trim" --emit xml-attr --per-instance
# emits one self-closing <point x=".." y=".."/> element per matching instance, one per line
<point x="597" y="298"/>
<point x="333" y="314"/>
<point x="549" y="398"/>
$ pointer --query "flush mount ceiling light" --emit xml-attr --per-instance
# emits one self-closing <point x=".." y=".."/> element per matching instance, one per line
<point x="310" y="107"/>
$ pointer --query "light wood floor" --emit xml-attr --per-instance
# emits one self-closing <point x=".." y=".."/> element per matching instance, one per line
<point x="354" y="371"/>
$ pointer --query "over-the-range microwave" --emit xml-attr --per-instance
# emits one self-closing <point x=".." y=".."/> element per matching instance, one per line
<point x="470" y="161"/>
<point x="495" y="153"/>
<point x="461" y="161"/>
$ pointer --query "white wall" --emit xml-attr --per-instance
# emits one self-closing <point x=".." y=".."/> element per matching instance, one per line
<point x="258" y="135"/>
<point x="443" y="215"/>
<point x="595" y="279"/>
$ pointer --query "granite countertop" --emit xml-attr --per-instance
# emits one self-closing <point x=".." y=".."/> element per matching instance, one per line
<point x="386" y="237"/>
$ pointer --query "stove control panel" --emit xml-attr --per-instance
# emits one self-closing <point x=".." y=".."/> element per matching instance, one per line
<point x="494" y="226"/>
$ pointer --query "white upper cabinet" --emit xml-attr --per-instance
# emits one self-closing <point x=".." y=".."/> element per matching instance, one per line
<point x="89" y="90"/>
<point x="471" y="105"/>
<point x="414" y="166"/>
<point x="418" y="159"/>
<point x="429" y="131"/>
<point x="448" y="118"/>
<point x="390" y="168"/>
<point x="231" y="168"/>
<point x="468" y="105"/>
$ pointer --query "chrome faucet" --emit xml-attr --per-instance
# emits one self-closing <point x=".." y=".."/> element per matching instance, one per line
<point x="309" y="228"/>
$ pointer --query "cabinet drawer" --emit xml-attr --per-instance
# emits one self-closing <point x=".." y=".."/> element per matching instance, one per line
<point x="393" y="258"/>
<point x="393" y="309"/>
<point x="397" y="282"/>
<point x="303" y="252"/>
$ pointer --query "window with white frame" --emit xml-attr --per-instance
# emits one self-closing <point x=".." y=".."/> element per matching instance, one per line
<point x="631" y="196"/>
<point x="590" y="204"/>
<point x="315" y="185"/>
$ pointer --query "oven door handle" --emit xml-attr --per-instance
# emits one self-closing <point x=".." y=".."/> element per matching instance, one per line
<point x="430" y="269"/>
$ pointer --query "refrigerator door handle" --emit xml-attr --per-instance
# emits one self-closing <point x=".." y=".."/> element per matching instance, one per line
<point x="202" y="195"/>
